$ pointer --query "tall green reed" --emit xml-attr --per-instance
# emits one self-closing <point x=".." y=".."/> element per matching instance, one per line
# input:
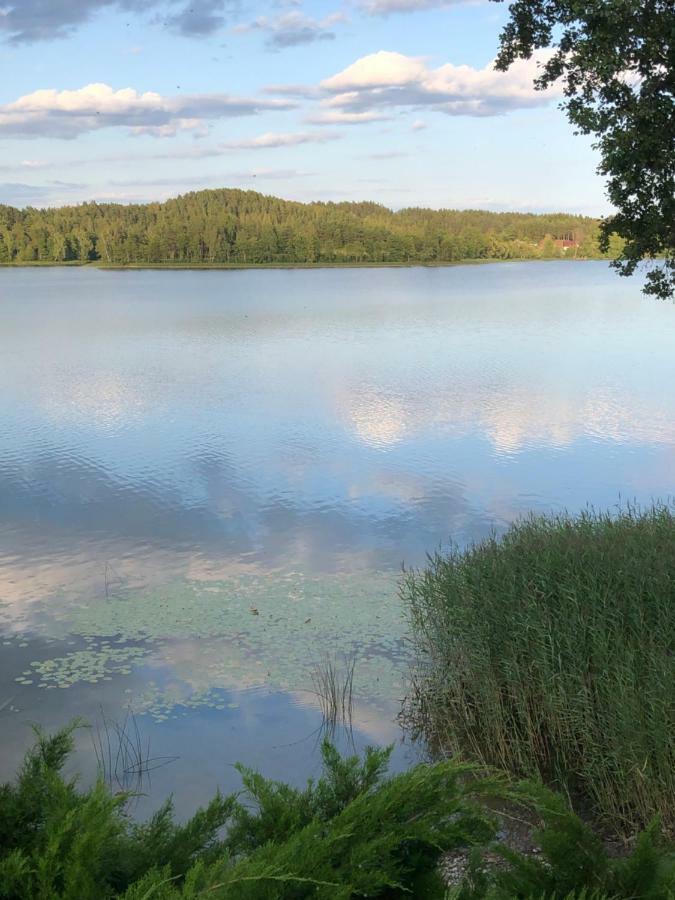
<point x="551" y="652"/>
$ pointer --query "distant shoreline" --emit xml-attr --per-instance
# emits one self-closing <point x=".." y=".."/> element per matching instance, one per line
<point x="39" y="264"/>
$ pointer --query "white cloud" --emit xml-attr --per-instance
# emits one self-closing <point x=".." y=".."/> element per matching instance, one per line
<point x="388" y="154"/>
<point x="339" y="117"/>
<point x="377" y="70"/>
<point x="306" y="91"/>
<point x="387" y="7"/>
<point x="68" y="113"/>
<point x="180" y="182"/>
<point x="388" y="80"/>
<point x="273" y="139"/>
<point x="24" y="165"/>
<point x="197" y="151"/>
<point x="293" y="28"/>
<point x="272" y="174"/>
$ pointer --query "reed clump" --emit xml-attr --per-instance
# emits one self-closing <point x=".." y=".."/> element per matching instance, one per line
<point x="334" y="688"/>
<point x="550" y="652"/>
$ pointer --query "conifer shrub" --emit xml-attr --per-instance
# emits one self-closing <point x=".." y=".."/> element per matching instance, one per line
<point x="59" y="842"/>
<point x="551" y="653"/>
<point x="573" y="862"/>
<point x="353" y="832"/>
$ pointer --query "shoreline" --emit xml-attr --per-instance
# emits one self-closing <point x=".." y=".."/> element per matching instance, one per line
<point x="215" y="266"/>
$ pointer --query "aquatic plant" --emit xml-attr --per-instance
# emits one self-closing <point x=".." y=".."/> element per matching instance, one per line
<point x="123" y="755"/>
<point x="549" y="652"/>
<point x="335" y="616"/>
<point x="334" y="688"/>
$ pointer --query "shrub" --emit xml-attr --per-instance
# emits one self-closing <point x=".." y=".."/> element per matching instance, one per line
<point x="59" y="842"/>
<point x="351" y="833"/>
<point x="573" y="863"/>
<point x="551" y="653"/>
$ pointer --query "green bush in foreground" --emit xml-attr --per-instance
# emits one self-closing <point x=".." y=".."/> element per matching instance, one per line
<point x="573" y="863"/>
<point x="551" y="653"/>
<point x="353" y="833"/>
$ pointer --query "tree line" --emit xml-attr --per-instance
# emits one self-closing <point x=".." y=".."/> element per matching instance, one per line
<point x="245" y="227"/>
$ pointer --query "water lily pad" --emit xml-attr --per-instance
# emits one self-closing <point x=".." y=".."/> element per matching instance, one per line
<point x="203" y="636"/>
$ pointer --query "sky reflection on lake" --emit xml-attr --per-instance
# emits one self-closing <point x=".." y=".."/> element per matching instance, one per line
<point x="264" y="439"/>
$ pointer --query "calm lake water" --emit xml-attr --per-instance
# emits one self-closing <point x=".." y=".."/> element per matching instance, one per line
<point x="209" y="481"/>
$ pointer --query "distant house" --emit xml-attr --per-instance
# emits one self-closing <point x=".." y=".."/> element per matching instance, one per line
<point x="562" y="245"/>
<point x="565" y="244"/>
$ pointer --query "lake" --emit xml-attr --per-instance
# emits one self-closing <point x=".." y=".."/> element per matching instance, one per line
<point x="209" y="481"/>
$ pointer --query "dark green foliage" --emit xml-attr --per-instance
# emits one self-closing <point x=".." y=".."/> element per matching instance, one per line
<point x="160" y="841"/>
<point x="550" y="653"/>
<point x="616" y="59"/>
<point x="573" y="862"/>
<point x="23" y="808"/>
<point x="55" y="841"/>
<point x="353" y="833"/>
<point x="280" y="810"/>
<point x="350" y="833"/>
<point x="58" y="842"/>
<point x="244" y="228"/>
<point x="379" y="845"/>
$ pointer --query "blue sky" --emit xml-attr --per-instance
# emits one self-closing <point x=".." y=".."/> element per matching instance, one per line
<point x="390" y="100"/>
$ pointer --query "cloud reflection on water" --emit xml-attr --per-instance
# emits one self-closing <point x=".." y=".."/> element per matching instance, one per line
<point x="195" y="429"/>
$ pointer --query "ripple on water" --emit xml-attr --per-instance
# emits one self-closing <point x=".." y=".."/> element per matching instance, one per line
<point x="175" y="443"/>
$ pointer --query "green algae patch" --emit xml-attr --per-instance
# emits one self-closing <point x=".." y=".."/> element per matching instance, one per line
<point x="295" y="606"/>
<point x="199" y="639"/>
<point x="91" y="665"/>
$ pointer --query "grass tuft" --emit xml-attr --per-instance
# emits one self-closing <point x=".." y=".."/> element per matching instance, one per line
<point x="123" y="756"/>
<point x="334" y="688"/>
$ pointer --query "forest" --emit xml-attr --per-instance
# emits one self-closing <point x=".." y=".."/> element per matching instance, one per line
<point x="247" y="228"/>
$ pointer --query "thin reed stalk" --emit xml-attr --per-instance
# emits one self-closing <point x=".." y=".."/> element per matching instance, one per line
<point x="122" y="755"/>
<point x="333" y="684"/>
